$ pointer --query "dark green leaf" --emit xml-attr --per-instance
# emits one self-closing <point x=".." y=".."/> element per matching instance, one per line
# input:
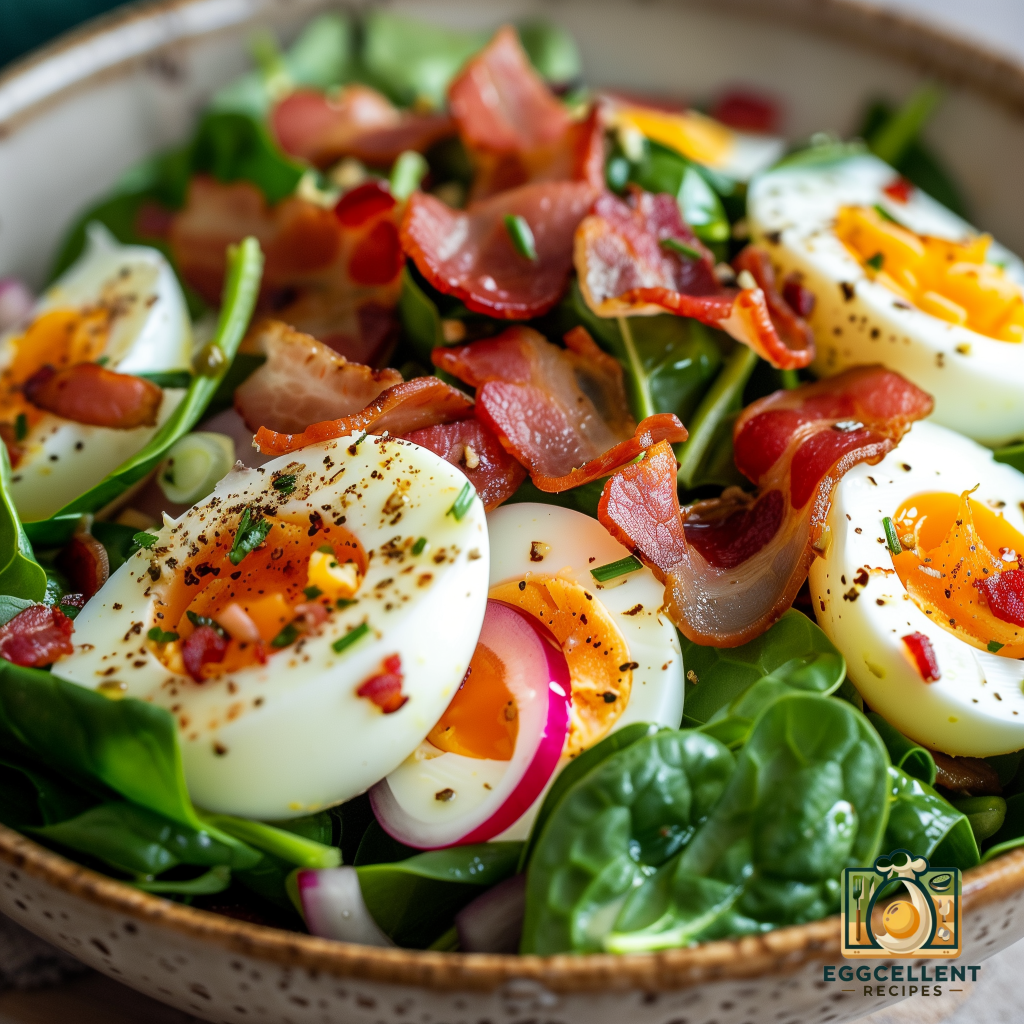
<point x="290" y="845"/>
<point x="31" y="795"/>
<point x="583" y="499"/>
<point x="216" y="880"/>
<point x="377" y="847"/>
<point x="20" y="574"/>
<point x="421" y="321"/>
<point x="629" y="814"/>
<point x="985" y="814"/>
<point x="821" y="151"/>
<point x="1011" y="834"/>
<point x="119" y="541"/>
<point x="11" y="606"/>
<point x="905" y="754"/>
<point x="552" y="51"/>
<point x="891" y="140"/>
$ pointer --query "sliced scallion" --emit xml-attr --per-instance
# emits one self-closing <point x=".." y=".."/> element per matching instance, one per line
<point x="461" y="504"/>
<point x="343" y="643"/>
<point x="890" y="536"/>
<point x="603" y="573"/>
<point x="682" y="248"/>
<point x="522" y="236"/>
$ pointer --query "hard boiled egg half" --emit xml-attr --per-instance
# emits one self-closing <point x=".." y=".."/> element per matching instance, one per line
<point x="118" y="305"/>
<point x="900" y="280"/>
<point x="917" y="591"/>
<point x="551" y="626"/>
<point x="306" y="624"/>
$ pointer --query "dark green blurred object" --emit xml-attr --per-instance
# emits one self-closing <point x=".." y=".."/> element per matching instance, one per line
<point x="26" y="24"/>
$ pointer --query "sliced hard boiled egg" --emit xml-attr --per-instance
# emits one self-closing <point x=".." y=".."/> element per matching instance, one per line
<point x="118" y="305"/>
<point x="621" y="654"/>
<point x="924" y="643"/>
<point x="900" y="280"/>
<point x="292" y="692"/>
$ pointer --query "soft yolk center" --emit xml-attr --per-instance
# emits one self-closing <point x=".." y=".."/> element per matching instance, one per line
<point x="482" y="719"/>
<point x="688" y="132"/>
<point x="950" y="542"/>
<point x="949" y="280"/>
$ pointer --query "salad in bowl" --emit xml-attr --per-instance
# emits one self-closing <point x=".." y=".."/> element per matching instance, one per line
<point x="448" y="506"/>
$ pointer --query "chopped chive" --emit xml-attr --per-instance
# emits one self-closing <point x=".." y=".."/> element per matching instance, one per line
<point x="995" y="646"/>
<point x="20" y="427"/>
<point x="885" y="214"/>
<point x="408" y="171"/>
<point x="521" y="235"/>
<point x="461" y="504"/>
<point x="346" y="641"/>
<point x="287" y="636"/>
<point x="876" y="261"/>
<point x="144" y="539"/>
<point x="681" y="247"/>
<point x="345" y="602"/>
<point x="352" y="447"/>
<point x="603" y="573"/>
<point x="285" y="483"/>
<point x="159" y="636"/>
<point x="890" y="536"/>
<point x="312" y="593"/>
<point x="325" y="549"/>
<point x="417" y="548"/>
<point x="103" y="360"/>
<point x="204" y="620"/>
<point x="168" y="378"/>
<point x="251" y="533"/>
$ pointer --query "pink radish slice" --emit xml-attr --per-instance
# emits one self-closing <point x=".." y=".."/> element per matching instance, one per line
<point x="333" y="907"/>
<point x="16" y="302"/>
<point x="448" y="799"/>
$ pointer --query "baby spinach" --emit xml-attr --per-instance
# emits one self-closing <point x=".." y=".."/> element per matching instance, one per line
<point x="622" y="820"/>
<point x="21" y="576"/>
<point x="928" y="826"/>
<point x="552" y="51"/>
<point x="905" y="754"/>
<point x="31" y="795"/>
<point x="211" y="882"/>
<point x="1011" y="832"/>
<point x="415" y="900"/>
<point x="583" y="498"/>
<point x="985" y="814"/>
<point x="715" y="677"/>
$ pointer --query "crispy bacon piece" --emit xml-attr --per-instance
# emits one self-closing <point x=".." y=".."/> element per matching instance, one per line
<point x="303" y="381"/>
<point x="476" y="450"/>
<point x="1004" y="593"/>
<point x="470" y="255"/>
<point x="385" y="688"/>
<point x="921" y="652"/>
<point x="37" y="636"/>
<point x="85" y="562"/>
<point x="332" y="273"/>
<point x="401" y="409"/>
<point x="90" y="393"/>
<point x="561" y="412"/>
<point x="203" y="646"/>
<point x="625" y="269"/>
<point x="358" y="122"/>
<point x="514" y="126"/>
<point x="971" y="775"/>
<point x="733" y="565"/>
<point x="748" y="111"/>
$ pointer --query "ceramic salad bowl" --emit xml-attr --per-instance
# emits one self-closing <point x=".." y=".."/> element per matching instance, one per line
<point x="76" y="116"/>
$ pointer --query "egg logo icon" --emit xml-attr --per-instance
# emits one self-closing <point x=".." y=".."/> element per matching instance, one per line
<point x="901" y="906"/>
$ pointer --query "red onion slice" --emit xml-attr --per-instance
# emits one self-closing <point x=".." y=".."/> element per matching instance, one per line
<point x="436" y="799"/>
<point x="333" y="906"/>
<point x="493" y="922"/>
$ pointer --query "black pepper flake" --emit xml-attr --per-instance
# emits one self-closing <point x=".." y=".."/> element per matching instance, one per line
<point x="629" y="666"/>
<point x="444" y="795"/>
<point x="522" y="584"/>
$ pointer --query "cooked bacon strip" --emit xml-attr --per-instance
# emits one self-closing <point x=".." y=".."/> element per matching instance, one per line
<point x="515" y="128"/>
<point x="475" y="449"/>
<point x="85" y="562"/>
<point x="561" y="412"/>
<point x="359" y="122"/>
<point x="334" y="274"/>
<point x="303" y="381"/>
<point x="624" y="270"/>
<point x="470" y="255"/>
<point x="37" y="636"/>
<point x="733" y="565"/>
<point x="401" y="409"/>
<point x="89" y="393"/>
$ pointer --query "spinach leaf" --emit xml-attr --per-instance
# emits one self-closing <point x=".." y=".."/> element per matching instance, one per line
<point x="421" y="322"/>
<point x="583" y="499"/>
<point x="552" y="51"/>
<point x="904" y="753"/>
<point x="30" y="795"/>
<point x="11" y="606"/>
<point x="126" y="746"/>
<point x="808" y="798"/>
<point x="928" y="826"/>
<point x="985" y="814"/>
<point x="293" y="845"/>
<point x="626" y="816"/>
<point x="718" y="676"/>
<point x="821" y="150"/>
<point x="216" y="880"/>
<point x="241" y="287"/>
<point x="117" y="539"/>
<point x="377" y="847"/>
<point x="1011" y="833"/>
<point x="21" y="576"/>
<point x="415" y="900"/>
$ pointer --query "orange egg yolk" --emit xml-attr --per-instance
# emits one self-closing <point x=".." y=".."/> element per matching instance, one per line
<point x="268" y="585"/>
<point x="949" y="280"/>
<point x="949" y="542"/>
<point x="482" y="719"/>
<point x="600" y="669"/>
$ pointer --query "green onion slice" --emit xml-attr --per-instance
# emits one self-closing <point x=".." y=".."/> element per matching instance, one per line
<point x="603" y="573"/>
<point x="890" y="536"/>
<point x="522" y="236"/>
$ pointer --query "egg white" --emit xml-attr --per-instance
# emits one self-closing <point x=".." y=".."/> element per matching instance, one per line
<point x="292" y="736"/>
<point x="576" y="543"/>
<point x="976" y="708"/>
<point x="977" y="381"/>
<point x="63" y="459"/>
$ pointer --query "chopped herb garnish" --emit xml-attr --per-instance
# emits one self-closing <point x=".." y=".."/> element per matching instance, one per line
<point x="205" y="620"/>
<point x="681" y="247"/>
<point x="603" y="573"/>
<point x="326" y="549"/>
<point x="995" y="646"/>
<point x="522" y="236"/>
<point x="287" y="636"/>
<point x="168" y="378"/>
<point x="875" y="262"/>
<point x="355" y="444"/>
<point x="103" y="360"/>
<point x="343" y="643"/>
<point x="345" y="602"/>
<point x="160" y="636"/>
<point x="251" y="534"/>
<point x="885" y="214"/>
<point x="890" y="536"/>
<point x="461" y="504"/>
<point x="408" y="171"/>
<point x="312" y="593"/>
<point x="285" y="483"/>
<point x="20" y="427"/>
<point x="417" y="548"/>
<point x="144" y="539"/>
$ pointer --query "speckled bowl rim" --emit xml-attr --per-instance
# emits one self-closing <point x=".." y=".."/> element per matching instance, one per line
<point x="783" y="951"/>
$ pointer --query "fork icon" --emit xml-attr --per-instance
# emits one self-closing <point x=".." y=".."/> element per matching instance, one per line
<point x="858" y="892"/>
